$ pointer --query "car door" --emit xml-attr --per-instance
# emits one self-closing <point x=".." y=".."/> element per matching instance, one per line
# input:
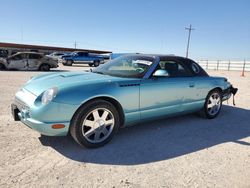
<point x="167" y="95"/>
<point x="81" y="57"/>
<point x="18" y="61"/>
<point x="34" y="61"/>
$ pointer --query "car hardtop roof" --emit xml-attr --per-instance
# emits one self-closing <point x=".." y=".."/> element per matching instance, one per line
<point x="28" y="53"/>
<point x="188" y="62"/>
<point x="160" y="56"/>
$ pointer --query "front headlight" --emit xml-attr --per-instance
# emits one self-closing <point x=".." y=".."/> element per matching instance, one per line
<point x="48" y="95"/>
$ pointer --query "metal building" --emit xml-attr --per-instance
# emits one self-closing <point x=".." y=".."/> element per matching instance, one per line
<point x="7" y="49"/>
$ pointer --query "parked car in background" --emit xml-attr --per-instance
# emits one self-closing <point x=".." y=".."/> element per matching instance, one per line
<point x="3" y="53"/>
<point x="57" y="55"/>
<point x="28" y="61"/>
<point x="82" y="58"/>
<point x="92" y="106"/>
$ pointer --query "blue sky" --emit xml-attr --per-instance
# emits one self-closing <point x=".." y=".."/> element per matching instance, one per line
<point x="222" y="27"/>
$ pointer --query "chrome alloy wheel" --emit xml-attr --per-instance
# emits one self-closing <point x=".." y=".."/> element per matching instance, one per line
<point x="214" y="104"/>
<point x="98" y="125"/>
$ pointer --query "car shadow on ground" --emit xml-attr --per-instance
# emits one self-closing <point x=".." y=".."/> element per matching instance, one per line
<point x="160" y="140"/>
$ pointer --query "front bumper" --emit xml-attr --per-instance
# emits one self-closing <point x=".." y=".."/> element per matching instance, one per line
<point x="45" y="128"/>
<point x="227" y="93"/>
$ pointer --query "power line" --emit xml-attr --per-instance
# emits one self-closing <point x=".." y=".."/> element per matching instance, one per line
<point x="189" y="33"/>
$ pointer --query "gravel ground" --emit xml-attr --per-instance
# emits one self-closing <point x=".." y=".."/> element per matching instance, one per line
<point x="185" y="151"/>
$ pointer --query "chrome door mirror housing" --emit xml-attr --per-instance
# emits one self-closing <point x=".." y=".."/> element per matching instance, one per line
<point x="161" y="73"/>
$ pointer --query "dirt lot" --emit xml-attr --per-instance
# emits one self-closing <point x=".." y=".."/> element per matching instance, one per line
<point x="184" y="151"/>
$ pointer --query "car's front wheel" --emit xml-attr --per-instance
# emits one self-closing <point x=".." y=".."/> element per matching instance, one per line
<point x="44" y="67"/>
<point x="95" y="124"/>
<point x="213" y="104"/>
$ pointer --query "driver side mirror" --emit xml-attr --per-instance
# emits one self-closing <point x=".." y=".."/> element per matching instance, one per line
<point x="161" y="73"/>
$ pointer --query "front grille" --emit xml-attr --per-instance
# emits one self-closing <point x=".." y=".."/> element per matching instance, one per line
<point x="22" y="106"/>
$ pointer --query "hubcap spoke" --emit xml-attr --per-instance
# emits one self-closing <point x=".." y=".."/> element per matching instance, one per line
<point x="96" y="115"/>
<point x="105" y="115"/>
<point x="109" y="122"/>
<point x="90" y="132"/>
<point x="89" y="123"/>
<point x="97" y="135"/>
<point x="105" y="131"/>
<point x="210" y="105"/>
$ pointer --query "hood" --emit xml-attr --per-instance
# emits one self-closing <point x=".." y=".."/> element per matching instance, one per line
<point x="41" y="83"/>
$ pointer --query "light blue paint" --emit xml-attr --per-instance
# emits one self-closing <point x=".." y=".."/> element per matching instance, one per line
<point x="149" y="98"/>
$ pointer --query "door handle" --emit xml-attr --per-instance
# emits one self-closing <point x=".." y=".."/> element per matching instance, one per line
<point x="191" y="85"/>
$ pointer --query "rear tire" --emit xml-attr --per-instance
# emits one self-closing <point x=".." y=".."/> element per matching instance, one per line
<point x="95" y="124"/>
<point x="90" y="64"/>
<point x="44" y="67"/>
<point x="2" y="66"/>
<point x="212" y="104"/>
<point x="96" y="63"/>
<point x="69" y="62"/>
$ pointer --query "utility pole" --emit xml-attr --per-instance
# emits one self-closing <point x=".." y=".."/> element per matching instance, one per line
<point x="75" y="44"/>
<point x="189" y="33"/>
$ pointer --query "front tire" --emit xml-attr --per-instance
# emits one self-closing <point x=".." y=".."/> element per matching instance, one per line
<point x="95" y="124"/>
<point x="213" y="104"/>
<point x="44" y="67"/>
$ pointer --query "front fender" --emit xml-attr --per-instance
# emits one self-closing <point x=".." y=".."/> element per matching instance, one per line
<point x="127" y="97"/>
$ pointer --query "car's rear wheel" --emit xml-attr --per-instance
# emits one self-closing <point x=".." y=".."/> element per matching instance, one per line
<point x="95" y="124"/>
<point x="69" y="62"/>
<point x="44" y="67"/>
<point x="2" y="67"/>
<point x="96" y="63"/>
<point x="213" y="104"/>
<point x="90" y="64"/>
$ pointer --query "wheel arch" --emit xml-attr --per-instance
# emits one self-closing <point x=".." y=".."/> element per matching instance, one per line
<point x="216" y="88"/>
<point x="113" y="101"/>
<point x="44" y="64"/>
<point x="4" y="66"/>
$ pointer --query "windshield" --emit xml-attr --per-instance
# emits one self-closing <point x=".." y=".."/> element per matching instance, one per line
<point x="126" y="66"/>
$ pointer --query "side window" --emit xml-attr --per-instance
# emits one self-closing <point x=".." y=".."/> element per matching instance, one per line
<point x="174" y="69"/>
<point x="35" y="56"/>
<point x="18" y="57"/>
<point x="83" y="54"/>
<point x="195" y="68"/>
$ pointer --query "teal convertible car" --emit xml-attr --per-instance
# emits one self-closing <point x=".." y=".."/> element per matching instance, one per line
<point x="92" y="106"/>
